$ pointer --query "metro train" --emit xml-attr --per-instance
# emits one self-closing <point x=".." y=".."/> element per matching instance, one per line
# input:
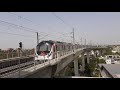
<point x="47" y="50"/>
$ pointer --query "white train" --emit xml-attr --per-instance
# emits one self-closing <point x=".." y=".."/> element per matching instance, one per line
<point x="47" y="50"/>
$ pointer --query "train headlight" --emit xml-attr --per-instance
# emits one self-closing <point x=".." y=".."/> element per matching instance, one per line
<point x="36" y="56"/>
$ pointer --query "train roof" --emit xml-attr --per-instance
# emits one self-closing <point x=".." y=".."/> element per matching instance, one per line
<point x="52" y="42"/>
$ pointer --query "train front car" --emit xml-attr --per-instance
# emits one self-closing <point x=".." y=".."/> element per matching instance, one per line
<point x="44" y="51"/>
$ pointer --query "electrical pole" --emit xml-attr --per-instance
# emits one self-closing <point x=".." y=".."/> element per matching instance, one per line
<point x="37" y="38"/>
<point x="73" y="40"/>
<point x="73" y="37"/>
<point x="85" y="42"/>
<point x="81" y="41"/>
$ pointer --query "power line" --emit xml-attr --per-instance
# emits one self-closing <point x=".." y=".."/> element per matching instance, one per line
<point x="25" y="19"/>
<point x="15" y="34"/>
<point x="62" y="20"/>
<point x="39" y="24"/>
<point x="20" y="17"/>
<point x="18" y="26"/>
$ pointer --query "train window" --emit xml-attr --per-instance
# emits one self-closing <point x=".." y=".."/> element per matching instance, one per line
<point x="10" y="63"/>
<point x="6" y="64"/>
<point x="61" y="47"/>
<point x="54" y="48"/>
<point x="24" y="60"/>
<point x="0" y="65"/>
<point x="68" y="47"/>
<point x="58" y="48"/>
<point x="21" y="61"/>
<point x="64" y="47"/>
<point x="14" y="62"/>
<point x="45" y="47"/>
<point x="3" y="65"/>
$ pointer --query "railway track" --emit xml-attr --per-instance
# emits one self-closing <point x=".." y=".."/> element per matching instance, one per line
<point x="15" y="65"/>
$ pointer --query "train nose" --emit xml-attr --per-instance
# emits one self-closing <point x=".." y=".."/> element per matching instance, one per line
<point x="42" y="54"/>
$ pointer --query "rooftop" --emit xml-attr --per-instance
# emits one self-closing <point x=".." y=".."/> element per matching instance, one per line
<point x="113" y="69"/>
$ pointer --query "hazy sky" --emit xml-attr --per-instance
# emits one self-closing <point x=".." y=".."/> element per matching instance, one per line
<point x="97" y="27"/>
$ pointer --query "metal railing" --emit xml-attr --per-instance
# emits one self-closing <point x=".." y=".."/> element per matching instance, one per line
<point x="8" y="55"/>
<point x="14" y="55"/>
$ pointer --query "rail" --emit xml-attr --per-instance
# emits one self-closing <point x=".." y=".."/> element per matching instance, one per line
<point x="15" y="65"/>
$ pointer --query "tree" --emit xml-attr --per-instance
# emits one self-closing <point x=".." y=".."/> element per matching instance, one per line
<point x="108" y="52"/>
<point x="70" y="70"/>
<point x="101" y="61"/>
<point x="117" y="53"/>
<point x="91" y="68"/>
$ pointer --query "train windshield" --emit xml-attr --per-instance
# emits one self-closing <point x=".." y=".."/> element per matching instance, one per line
<point x="45" y="47"/>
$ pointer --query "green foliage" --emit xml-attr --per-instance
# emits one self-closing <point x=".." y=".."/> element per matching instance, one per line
<point x="101" y="61"/>
<point x="70" y="70"/>
<point x="91" y="68"/>
<point x="71" y="65"/>
<point x="117" y="53"/>
<point x="97" y="60"/>
<point x="79" y="61"/>
<point x="108" y="52"/>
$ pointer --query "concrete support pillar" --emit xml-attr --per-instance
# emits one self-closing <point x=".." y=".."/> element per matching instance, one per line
<point x="100" y="52"/>
<point x="88" y="58"/>
<point x="62" y="73"/>
<point x="83" y="63"/>
<point x="95" y="54"/>
<point x="103" y="51"/>
<point x="76" y="67"/>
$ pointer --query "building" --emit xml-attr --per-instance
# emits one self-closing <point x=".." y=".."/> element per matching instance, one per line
<point x="116" y="49"/>
<point x="10" y="50"/>
<point x="109" y="70"/>
<point x="112" y="59"/>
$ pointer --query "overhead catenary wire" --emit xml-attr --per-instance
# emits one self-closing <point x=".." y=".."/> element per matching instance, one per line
<point x="18" y="26"/>
<point x="15" y="34"/>
<point x="33" y="22"/>
<point x="19" y="16"/>
<point x="61" y="20"/>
